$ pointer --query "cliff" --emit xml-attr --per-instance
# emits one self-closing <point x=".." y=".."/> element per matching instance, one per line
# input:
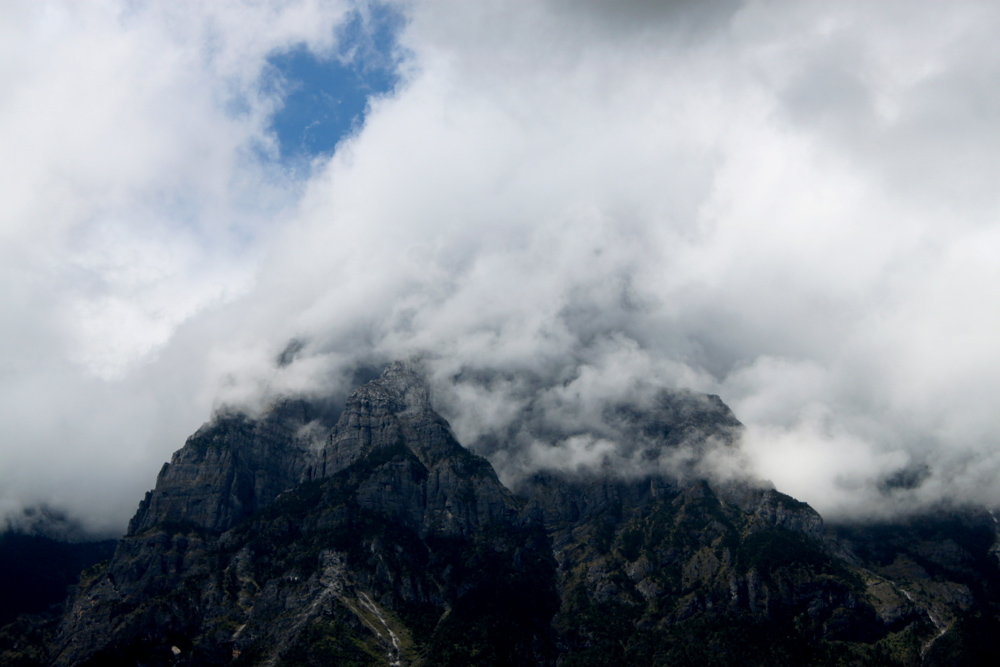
<point x="393" y="544"/>
<point x="228" y="470"/>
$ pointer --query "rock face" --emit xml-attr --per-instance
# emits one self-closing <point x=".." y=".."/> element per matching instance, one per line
<point x="661" y="575"/>
<point x="392" y="544"/>
<point x="436" y="485"/>
<point x="229" y="469"/>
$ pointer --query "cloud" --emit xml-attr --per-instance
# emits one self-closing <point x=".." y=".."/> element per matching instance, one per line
<point x="133" y="198"/>
<point x="790" y="206"/>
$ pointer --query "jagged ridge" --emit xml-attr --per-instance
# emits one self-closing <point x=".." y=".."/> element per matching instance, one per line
<point x="393" y="544"/>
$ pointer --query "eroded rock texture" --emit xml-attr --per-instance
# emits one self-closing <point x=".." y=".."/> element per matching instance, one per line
<point x="392" y="544"/>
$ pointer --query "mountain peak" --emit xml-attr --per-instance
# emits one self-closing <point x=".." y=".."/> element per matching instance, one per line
<point x="393" y="410"/>
<point x="405" y="381"/>
<point x="396" y="544"/>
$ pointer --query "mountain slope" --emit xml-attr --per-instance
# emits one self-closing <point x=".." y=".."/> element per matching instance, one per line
<point x="392" y="544"/>
<point x="398" y="543"/>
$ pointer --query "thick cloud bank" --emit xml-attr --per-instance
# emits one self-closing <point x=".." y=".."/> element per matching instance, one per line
<point x="791" y="205"/>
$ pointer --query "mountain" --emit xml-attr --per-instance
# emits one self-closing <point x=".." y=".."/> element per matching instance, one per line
<point x="35" y="570"/>
<point x="393" y="544"/>
<point x="42" y="554"/>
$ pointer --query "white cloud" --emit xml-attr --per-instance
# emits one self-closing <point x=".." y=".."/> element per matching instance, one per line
<point x="791" y="205"/>
<point x="132" y="200"/>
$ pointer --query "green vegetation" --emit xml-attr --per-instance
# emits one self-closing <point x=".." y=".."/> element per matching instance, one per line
<point x="777" y="548"/>
<point x="35" y="571"/>
<point x="328" y="641"/>
<point x="22" y="642"/>
<point x="503" y="599"/>
<point x="714" y="639"/>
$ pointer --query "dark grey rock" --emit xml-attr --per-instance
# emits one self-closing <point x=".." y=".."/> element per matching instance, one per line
<point x="401" y="545"/>
<point x="231" y="468"/>
<point x="444" y="488"/>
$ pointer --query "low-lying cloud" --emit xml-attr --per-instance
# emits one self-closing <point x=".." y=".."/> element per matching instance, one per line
<point x="789" y="205"/>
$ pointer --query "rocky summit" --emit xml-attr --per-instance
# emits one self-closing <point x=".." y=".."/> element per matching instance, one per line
<point x="392" y="544"/>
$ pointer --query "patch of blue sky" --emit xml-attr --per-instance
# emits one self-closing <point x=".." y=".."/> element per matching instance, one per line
<point x="325" y="96"/>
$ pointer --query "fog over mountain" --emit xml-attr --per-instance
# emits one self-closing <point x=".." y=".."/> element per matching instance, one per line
<point x="558" y="207"/>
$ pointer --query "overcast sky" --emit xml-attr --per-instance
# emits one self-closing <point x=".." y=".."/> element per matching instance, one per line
<point x="793" y="205"/>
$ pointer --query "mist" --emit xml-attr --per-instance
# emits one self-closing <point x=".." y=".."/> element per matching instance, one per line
<point x="557" y="205"/>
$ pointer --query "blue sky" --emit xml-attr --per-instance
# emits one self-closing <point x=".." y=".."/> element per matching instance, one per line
<point x="325" y="95"/>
